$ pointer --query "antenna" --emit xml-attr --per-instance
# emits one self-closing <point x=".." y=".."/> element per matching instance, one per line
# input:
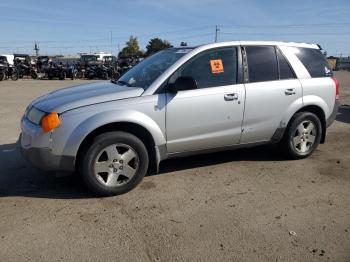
<point x="216" y="33"/>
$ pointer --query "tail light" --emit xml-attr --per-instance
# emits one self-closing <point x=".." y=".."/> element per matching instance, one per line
<point x="336" y="82"/>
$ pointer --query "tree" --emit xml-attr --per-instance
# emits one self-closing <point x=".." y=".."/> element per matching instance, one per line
<point x="156" y="44"/>
<point x="183" y="44"/>
<point x="132" y="48"/>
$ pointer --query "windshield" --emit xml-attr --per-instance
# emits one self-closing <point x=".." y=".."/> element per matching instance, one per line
<point x="89" y="58"/>
<point x="144" y="73"/>
<point x="109" y="58"/>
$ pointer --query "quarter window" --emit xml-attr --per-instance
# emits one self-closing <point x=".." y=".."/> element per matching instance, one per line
<point x="217" y="67"/>
<point x="262" y="63"/>
<point x="283" y="66"/>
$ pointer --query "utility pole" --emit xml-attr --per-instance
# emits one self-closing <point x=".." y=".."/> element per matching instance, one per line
<point x="36" y="49"/>
<point x="216" y="33"/>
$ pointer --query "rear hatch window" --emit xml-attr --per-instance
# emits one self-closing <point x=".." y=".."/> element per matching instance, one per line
<point x="314" y="61"/>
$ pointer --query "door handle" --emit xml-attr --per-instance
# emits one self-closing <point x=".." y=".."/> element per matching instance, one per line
<point x="290" y="91"/>
<point x="231" y="97"/>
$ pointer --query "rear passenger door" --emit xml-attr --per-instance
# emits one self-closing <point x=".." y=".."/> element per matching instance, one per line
<point x="271" y="89"/>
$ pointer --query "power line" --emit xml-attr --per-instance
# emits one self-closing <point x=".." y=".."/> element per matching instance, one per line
<point x="114" y="38"/>
<point x="277" y="34"/>
<point x="345" y="24"/>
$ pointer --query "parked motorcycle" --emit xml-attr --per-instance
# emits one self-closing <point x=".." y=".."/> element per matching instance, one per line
<point x="55" y="71"/>
<point x="96" y="71"/>
<point x="24" y="66"/>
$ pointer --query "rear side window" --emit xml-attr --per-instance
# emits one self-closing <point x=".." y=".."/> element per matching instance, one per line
<point x="284" y="68"/>
<point x="314" y="61"/>
<point x="262" y="63"/>
<point x="216" y="67"/>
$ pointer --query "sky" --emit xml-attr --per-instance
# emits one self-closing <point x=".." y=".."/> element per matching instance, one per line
<point x="70" y="27"/>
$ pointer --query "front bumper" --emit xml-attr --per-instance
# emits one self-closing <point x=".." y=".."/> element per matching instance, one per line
<point x="36" y="146"/>
<point x="43" y="159"/>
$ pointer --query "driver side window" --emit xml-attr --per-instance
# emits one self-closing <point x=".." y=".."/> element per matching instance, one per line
<point x="216" y="67"/>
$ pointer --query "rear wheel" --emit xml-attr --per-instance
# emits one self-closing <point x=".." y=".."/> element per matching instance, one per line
<point x="104" y="75"/>
<point x="303" y="135"/>
<point x="2" y="75"/>
<point x="34" y="75"/>
<point x="114" y="163"/>
<point x="62" y="75"/>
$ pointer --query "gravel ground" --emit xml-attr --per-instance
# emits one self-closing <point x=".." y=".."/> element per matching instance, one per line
<point x="233" y="206"/>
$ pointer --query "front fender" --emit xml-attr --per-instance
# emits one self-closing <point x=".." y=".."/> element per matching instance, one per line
<point x="78" y="132"/>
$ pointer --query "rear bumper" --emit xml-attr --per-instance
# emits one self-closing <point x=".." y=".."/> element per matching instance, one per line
<point x="332" y="117"/>
<point x="43" y="159"/>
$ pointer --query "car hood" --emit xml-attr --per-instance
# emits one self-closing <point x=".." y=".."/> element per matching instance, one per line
<point x="83" y="95"/>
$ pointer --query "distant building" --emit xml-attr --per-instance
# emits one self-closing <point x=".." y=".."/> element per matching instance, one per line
<point x="343" y="63"/>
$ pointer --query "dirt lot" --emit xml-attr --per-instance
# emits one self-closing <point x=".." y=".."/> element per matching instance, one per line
<point x="237" y="206"/>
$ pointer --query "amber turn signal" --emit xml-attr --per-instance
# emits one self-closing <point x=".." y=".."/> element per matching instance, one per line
<point x="50" y="122"/>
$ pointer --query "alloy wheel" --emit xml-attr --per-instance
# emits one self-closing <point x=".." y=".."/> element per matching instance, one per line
<point x="304" y="136"/>
<point x="116" y="165"/>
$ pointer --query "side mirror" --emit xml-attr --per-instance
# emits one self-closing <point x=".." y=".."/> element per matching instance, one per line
<point x="184" y="83"/>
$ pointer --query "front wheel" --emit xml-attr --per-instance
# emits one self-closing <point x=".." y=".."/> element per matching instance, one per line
<point x="303" y="135"/>
<point x="114" y="163"/>
<point x="80" y="75"/>
<point x="14" y="76"/>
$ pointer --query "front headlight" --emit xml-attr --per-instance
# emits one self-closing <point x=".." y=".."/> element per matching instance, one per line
<point x="35" y="115"/>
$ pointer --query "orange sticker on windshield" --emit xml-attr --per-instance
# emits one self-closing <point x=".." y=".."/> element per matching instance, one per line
<point x="216" y="66"/>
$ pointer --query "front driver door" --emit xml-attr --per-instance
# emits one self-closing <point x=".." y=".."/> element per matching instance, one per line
<point x="211" y="115"/>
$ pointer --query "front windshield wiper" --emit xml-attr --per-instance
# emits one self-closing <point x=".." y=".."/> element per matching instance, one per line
<point x="121" y="82"/>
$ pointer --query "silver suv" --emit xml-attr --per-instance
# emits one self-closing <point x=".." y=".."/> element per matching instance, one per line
<point x="183" y="101"/>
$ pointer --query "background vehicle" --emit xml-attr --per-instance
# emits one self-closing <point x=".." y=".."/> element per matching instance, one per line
<point x="24" y="66"/>
<point x="111" y="63"/>
<point x="9" y="59"/>
<point x="3" y="67"/>
<point x="96" y="71"/>
<point x="6" y="70"/>
<point x="184" y="101"/>
<point x="54" y="70"/>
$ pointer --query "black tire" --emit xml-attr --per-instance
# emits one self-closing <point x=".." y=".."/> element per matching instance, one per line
<point x="2" y="76"/>
<point x="62" y="75"/>
<point x="14" y="77"/>
<point x="105" y="76"/>
<point x="80" y="75"/>
<point x="34" y="75"/>
<point x="91" y="152"/>
<point x="115" y="75"/>
<point x="292" y="132"/>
